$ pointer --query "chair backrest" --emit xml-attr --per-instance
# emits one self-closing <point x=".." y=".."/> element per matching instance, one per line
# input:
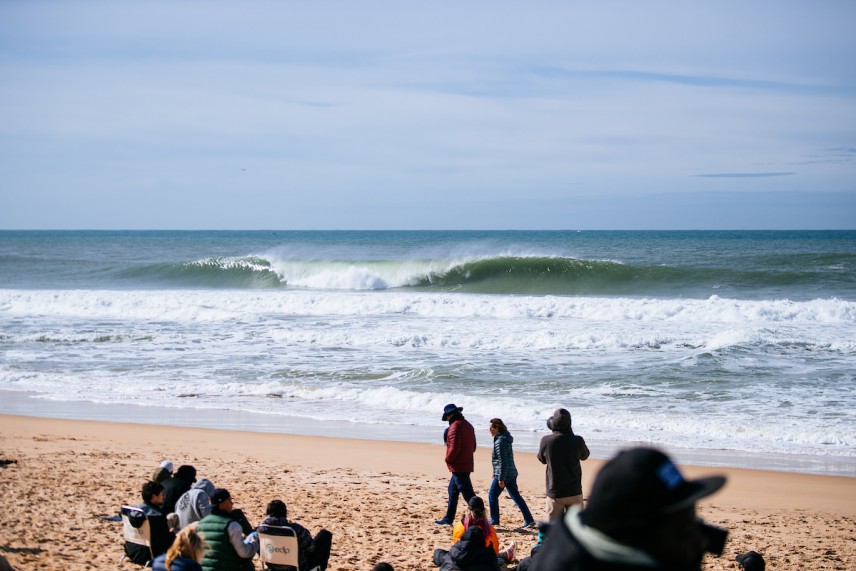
<point x="278" y="546"/>
<point x="140" y="534"/>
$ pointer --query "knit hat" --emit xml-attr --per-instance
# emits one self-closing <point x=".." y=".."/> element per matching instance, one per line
<point x="186" y="473"/>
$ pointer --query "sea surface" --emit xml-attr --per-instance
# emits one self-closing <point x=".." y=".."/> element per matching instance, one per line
<point x="734" y="348"/>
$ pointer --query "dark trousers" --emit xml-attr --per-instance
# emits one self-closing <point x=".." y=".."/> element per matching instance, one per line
<point x="493" y="500"/>
<point x="459" y="484"/>
<point x="320" y="556"/>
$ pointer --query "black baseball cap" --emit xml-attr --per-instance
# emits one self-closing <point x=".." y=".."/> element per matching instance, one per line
<point x="219" y="496"/>
<point x="640" y="484"/>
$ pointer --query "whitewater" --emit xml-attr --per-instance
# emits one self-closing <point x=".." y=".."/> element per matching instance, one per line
<point x="721" y="347"/>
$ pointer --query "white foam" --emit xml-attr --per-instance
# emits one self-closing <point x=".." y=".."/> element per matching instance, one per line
<point x="397" y="357"/>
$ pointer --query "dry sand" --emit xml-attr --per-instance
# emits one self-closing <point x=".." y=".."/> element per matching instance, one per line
<point x="379" y="499"/>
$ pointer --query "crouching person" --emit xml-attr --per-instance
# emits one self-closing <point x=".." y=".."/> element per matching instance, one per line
<point x="226" y="548"/>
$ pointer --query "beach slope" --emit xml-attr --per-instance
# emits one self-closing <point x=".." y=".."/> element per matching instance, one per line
<point x="379" y="499"/>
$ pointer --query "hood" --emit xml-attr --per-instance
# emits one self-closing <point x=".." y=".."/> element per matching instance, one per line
<point x="560" y="421"/>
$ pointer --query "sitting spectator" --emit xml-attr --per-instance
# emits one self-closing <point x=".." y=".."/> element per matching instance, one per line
<point x="641" y="514"/>
<point x="177" y="485"/>
<point x="312" y="552"/>
<point x="195" y="503"/>
<point x="163" y="472"/>
<point x="471" y="553"/>
<point x="476" y="516"/>
<point x="751" y="561"/>
<point x="524" y="563"/>
<point x="186" y="552"/>
<point x="227" y="548"/>
<point x="162" y="537"/>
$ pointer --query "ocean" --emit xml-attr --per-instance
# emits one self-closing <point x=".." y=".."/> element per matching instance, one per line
<point x="724" y="348"/>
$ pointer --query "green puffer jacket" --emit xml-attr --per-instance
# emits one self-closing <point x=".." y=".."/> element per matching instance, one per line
<point x="219" y="553"/>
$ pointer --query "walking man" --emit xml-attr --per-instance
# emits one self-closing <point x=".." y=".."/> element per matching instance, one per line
<point x="460" y="440"/>
<point x="562" y="451"/>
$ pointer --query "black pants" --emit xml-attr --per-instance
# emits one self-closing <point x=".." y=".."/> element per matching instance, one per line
<point x="321" y="555"/>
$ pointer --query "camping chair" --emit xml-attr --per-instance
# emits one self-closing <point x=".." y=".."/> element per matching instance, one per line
<point x="278" y="546"/>
<point x="137" y="531"/>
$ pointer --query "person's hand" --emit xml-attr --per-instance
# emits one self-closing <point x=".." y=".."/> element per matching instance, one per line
<point x="501" y="484"/>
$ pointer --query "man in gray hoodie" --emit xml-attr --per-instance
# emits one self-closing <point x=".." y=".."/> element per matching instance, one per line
<point x="562" y="451"/>
<point x="195" y="503"/>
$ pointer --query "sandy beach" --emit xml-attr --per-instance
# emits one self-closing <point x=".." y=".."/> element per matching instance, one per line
<point x="379" y="499"/>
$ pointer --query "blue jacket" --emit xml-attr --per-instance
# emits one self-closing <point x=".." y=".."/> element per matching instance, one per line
<point x="179" y="564"/>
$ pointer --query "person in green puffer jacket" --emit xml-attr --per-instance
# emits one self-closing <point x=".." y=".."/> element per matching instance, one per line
<point x="227" y="550"/>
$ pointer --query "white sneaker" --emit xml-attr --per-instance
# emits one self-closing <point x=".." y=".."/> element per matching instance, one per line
<point x="509" y="552"/>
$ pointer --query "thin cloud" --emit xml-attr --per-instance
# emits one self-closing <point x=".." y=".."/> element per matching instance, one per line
<point x="744" y="174"/>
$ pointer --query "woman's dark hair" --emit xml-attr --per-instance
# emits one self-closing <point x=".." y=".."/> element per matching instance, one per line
<point x="498" y="424"/>
<point x="276" y="508"/>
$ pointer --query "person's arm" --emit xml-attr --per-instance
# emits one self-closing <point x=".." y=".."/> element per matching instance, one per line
<point x="452" y="444"/>
<point x="304" y="538"/>
<point x="504" y="459"/>
<point x="542" y="452"/>
<point x="583" y="449"/>
<point x="236" y="538"/>
<point x="162" y="537"/>
<point x="203" y="504"/>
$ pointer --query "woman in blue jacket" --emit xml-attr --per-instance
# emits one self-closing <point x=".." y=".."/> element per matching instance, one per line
<point x="505" y="474"/>
<point x="185" y="554"/>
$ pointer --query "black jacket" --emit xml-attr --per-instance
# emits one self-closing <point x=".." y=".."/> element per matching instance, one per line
<point x="174" y="487"/>
<point x="162" y="537"/>
<point x="561" y="551"/>
<point x="470" y="554"/>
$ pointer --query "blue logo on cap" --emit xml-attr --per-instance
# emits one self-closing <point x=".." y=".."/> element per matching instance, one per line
<point x="670" y="476"/>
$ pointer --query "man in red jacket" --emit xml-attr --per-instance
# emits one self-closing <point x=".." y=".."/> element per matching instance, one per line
<point x="460" y="440"/>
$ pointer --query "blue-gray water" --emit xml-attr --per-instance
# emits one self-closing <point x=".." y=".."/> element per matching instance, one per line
<point x="735" y="345"/>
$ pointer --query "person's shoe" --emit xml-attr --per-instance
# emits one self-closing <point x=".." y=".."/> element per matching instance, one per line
<point x="509" y="552"/>
<point x="494" y="523"/>
<point x="528" y="525"/>
<point x="442" y="522"/>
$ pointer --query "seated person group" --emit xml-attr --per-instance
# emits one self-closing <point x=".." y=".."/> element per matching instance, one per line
<point x="194" y="526"/>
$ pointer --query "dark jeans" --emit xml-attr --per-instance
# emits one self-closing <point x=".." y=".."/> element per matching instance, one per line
<point x="321" y="555"/>
<point x="493" y="499"/>
<point x="459" y="484"/>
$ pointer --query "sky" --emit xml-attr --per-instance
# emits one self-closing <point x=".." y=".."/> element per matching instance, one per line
<point x="427" y="115"/>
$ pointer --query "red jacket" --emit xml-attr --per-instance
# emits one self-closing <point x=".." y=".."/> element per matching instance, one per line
<point x="460" y="446"/>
